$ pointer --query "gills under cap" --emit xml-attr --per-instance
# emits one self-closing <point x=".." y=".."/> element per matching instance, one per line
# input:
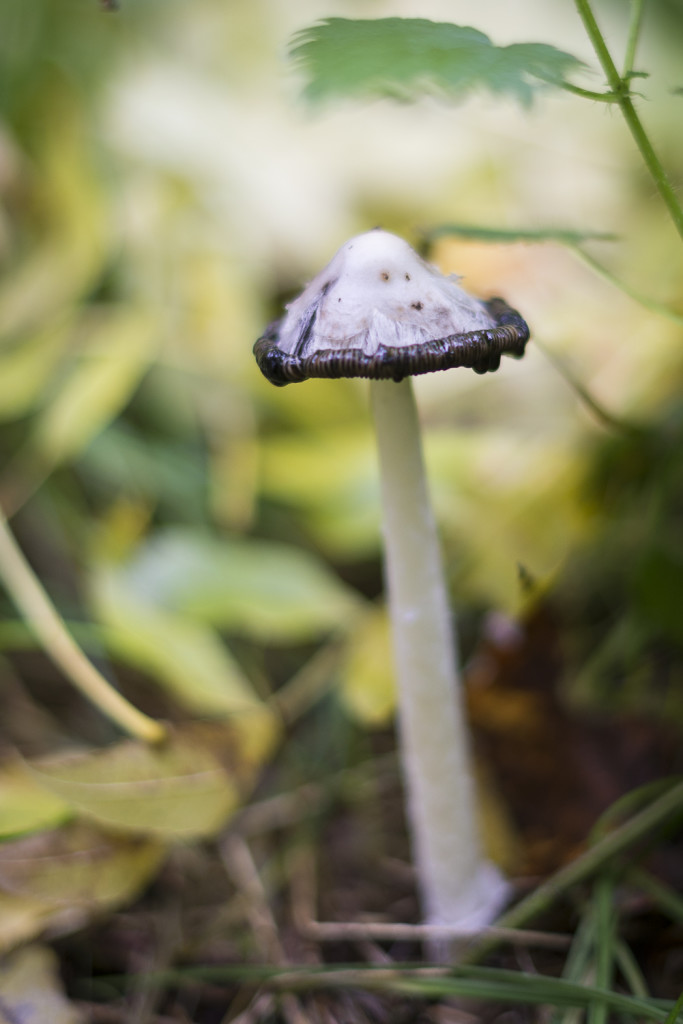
<point x="379" y="311"/>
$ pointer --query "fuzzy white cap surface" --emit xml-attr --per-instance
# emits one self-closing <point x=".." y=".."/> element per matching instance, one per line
<point x="377" y="291"/>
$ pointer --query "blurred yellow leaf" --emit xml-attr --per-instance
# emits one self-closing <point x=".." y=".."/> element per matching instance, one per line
<point x="267" y="590"/>
<point x="179" y="789"/>
<point x="118" y="353"/>
<point x="77" y="864"/>
<point x="26" y="806"/>
<point x="368" y="686"/>
<point x="331" y="478"/>
<point x="509" y="507"/>
<point x="26" y="369"/>
<point x="185" y="657"/>
<point x="63" y="265"/>
<point x="23" y="918"/>
<point x="31" y="990"/>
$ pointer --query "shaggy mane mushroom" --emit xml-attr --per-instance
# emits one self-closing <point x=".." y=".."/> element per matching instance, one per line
<point x="379" y="311"/>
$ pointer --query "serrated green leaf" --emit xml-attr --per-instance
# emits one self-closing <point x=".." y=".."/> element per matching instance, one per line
<point x="179" y="789"/>
<point x="407" y="57"/>
<point x="478" y="233"/>
<point x="267" y="590"/>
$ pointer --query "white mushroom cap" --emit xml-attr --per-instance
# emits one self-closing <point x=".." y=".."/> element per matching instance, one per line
<point x="379" y="311"/>
<point x="376" y="291"/>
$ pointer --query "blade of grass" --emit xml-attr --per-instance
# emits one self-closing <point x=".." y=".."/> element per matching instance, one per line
<point x="666" y="898"/>
<point x="628" y="965"/>
<point x="643" y="825"/>
<point x="603" y="897"/>
<point x="578" y="961"/>
<point x="676" y="1011"/>
<point x="488" y="983"/>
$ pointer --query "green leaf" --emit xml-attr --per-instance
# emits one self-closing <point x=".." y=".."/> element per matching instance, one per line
<point x="330" y="478"/>
<point x="477" y="233"/>
<point x="406" y="57"/>
<point x="118" y="354"/>
<point x="77" y="864"/>
<point x="25" y="806"/>
<point x="179" y="789"/>
<point x="185" y="657"/>
<point x="269" y="591"/>
<point x="26" y="368"/>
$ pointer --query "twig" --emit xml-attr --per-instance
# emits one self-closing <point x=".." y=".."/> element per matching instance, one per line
<point x="43" y="618"/>
<point x="239" y="864"/>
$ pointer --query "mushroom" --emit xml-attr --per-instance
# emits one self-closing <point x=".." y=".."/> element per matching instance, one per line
<point x="379" y="311"/>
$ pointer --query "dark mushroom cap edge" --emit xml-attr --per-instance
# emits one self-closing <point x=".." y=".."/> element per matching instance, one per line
<point x="478" y="350"/>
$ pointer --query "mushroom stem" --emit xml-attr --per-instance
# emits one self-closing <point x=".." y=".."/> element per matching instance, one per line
<point x="458" y="886"/>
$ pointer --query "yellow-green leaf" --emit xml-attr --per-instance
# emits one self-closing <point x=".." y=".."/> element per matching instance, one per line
<point x="25" y="806"/>
<point x="368" y="681"/>
<point x="179" y="789"/>
<point x="271" y="591"/>
<point x="78" y="864"/>
<point x="185" y="657"/>
<point x="23" y="918"/>
<point x="117" y="355"/>
<point x="26" y="369"/>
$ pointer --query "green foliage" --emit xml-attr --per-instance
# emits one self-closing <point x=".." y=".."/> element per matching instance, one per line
<point x="178" y="790"/>
<point x="479" y="233"/>
<point x="86" y="866"/>
<point x="269" y="591"/>
<point x="405" y="57"/>
<point x="25" y="806"/>
<point x="198" y="529"/>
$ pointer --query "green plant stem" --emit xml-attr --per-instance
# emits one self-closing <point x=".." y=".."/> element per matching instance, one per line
<point x="620" y="86"/>
<point x="602" y="415"/>
<point x="589" y="94"/>
<point x="643" y="300"/>
<point x="44" y="620"/>
<point x="633" y="35"/>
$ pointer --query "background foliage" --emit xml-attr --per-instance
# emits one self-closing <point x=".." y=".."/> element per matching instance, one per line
<point x="214" y="543"/>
